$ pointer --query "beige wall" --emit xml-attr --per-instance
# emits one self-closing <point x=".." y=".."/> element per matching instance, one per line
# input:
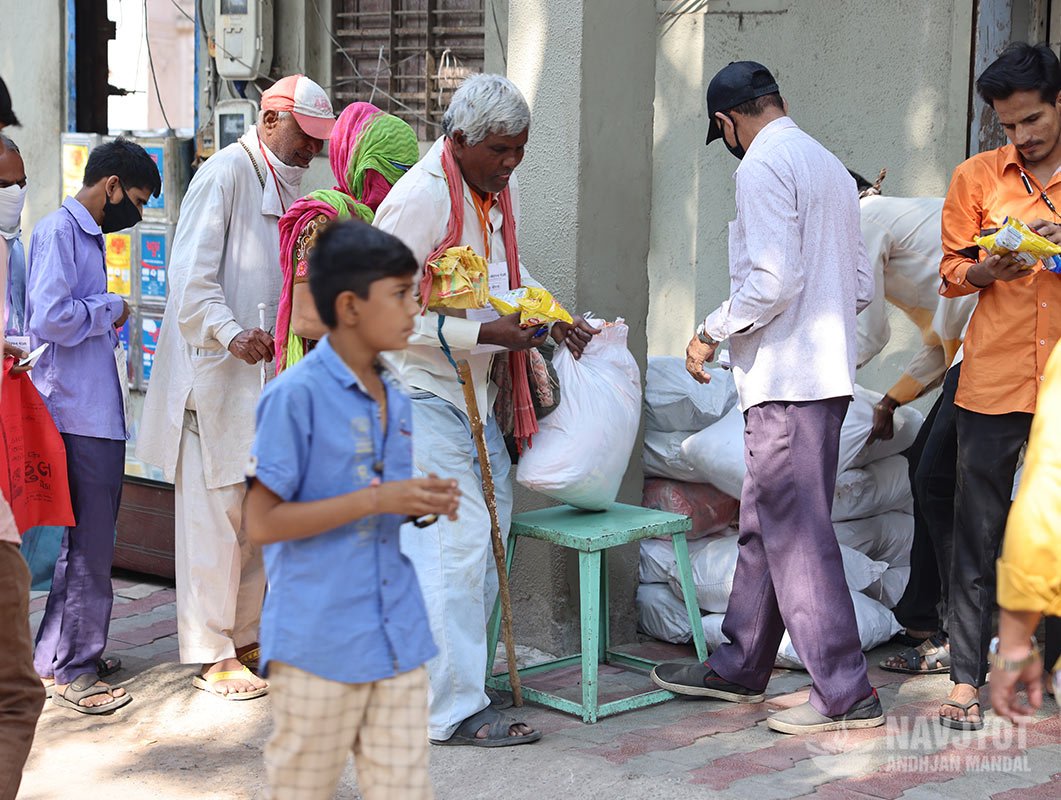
<point x="879" y="84"/>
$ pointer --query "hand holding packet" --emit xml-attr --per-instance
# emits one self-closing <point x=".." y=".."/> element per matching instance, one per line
<point x="535" y="306"/>
<point x="1026" y="246"/>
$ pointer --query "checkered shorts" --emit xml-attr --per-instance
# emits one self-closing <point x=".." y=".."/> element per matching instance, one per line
<point x="318" y="722"/>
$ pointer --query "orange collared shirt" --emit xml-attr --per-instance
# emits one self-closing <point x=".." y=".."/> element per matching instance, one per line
<point x="1015" y="324"/>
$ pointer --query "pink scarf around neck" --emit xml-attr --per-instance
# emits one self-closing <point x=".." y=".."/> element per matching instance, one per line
<point x="524" y="422"/>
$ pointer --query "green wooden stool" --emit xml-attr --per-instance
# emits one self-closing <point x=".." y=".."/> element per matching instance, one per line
<point x="591" y="533"/>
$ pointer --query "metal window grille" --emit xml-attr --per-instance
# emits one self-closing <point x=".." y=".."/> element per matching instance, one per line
<point x="406" y="56"/>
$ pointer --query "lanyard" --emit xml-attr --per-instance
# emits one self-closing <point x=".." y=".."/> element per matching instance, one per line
<point x="483" y="211"/>
<point x="276" y="181"/>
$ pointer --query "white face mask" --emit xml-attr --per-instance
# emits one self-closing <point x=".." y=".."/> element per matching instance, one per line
<point x="12" y="199"/>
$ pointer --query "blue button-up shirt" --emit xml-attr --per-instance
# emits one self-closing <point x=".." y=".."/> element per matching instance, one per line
<point x="68" y="306"/>
<point x="344" y="605"/>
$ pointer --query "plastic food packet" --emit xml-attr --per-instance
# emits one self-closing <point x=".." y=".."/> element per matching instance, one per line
<point x="461" y="280"/>
<point x="1026" y="245"/>
<point x="535" y="306"/>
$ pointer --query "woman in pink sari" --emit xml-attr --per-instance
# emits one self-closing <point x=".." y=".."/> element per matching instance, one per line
<point x="369" y="151"/>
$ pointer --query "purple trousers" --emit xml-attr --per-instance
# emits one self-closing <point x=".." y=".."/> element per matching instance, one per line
<point x="789" y="570"/>
<point x="77" y="617"/>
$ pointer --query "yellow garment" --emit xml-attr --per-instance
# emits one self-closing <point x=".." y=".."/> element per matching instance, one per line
<point x="1029" y="571"/>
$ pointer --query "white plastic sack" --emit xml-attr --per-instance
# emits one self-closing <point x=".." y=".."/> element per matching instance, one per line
<point x="676" y="402"/>
<point x="660" y="615"/>
<point x="582" y="449"/>
<point x="662" y="457"/>
<point x="885" y="537"/>
<point x="716" y="560"/>
<point x="889" y="589"/>
<point x="858" y="422"/>
<point x="716" y="454"/>
<point x="657" y="559"/>
<point x="876" y="625"/>
<point x="875" y="489"/>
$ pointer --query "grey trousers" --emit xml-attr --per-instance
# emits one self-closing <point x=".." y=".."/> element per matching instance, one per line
<point x="789" y="570"/>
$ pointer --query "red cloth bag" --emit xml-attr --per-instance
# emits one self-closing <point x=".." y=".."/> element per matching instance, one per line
<point x="33" y="475"/>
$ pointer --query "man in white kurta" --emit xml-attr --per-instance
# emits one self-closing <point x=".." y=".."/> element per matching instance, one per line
<point x="198" y="420"/>
<point x="487" y="125"/>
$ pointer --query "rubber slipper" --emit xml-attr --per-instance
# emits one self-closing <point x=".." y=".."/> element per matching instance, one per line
<point x="251" y="659"/>
<point x="87" y="685"/>
<point x="932" y="650"/>
<point x="207" y="683"/>
<point x="961" y="724"/>
<point x="107" y="665"/>
<point x="496" y="736"/>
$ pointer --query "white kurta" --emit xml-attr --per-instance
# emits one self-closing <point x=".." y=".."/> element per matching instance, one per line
<point x="225" y="261"/>
<point x="903" y="242"/>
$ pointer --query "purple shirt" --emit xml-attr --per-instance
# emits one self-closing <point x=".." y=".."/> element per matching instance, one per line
<point x="68" y="306"/>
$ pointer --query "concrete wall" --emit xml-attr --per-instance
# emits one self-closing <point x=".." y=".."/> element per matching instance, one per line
<point x="880" y="84"/>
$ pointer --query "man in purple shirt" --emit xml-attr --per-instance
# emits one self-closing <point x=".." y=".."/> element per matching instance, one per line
<point x="68" y="306"/>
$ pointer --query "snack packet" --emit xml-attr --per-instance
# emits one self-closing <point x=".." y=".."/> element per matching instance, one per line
<point x="1026" y="245"/>
<point x="461" y="279"/>
<point x="535" y="306"/>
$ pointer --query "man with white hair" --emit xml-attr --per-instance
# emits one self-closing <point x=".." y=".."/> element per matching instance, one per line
<point x="464" y="193"/>
<point x="198" y="420"/>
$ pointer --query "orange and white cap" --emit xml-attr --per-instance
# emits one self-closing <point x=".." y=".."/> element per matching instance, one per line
<point x="306" y="101"/>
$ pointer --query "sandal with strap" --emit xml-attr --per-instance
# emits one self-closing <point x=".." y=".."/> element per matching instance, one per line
<point x="496" y="736"/>
<point x="251" y="659"/>
<point x="87" y="684"/>
<point x="207" y="683"/>
<point x="935" y="655"/>
<point x="105" y="667"/>
<point x="961" y="724"/>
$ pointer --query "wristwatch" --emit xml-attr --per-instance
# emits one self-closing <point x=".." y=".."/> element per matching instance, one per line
<point x="704" y="338"/>
<point x="998" y="662"/>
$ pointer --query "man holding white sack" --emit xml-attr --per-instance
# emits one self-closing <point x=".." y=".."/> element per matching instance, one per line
<point x="198" y="420"/>
<point x="464" y="193"/>
<point x="799" y="275"/>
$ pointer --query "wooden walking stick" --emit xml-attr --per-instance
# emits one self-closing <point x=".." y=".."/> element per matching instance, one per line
<point x="464" y="372"/>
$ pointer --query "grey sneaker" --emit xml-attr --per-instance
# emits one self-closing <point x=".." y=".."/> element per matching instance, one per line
<point x="804" y="718"/>
<point x="699" y="680"/>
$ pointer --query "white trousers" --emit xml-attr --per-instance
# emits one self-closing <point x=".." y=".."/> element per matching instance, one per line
<point x="454" y="560"/>
<point x="220" y="575"/>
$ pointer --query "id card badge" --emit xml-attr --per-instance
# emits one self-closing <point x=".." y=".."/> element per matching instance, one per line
<point x="498" y="282"/>
<point x="21" y="342"/>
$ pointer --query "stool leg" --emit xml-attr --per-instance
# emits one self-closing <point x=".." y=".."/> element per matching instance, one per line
<point x="685" y="573"/>
<point x="589" y="573"/>
<point x="605" y="620"/>
<point x="493" y="630"/>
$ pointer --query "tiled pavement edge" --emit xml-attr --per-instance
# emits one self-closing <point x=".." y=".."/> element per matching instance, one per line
<point x="678" y="749"/>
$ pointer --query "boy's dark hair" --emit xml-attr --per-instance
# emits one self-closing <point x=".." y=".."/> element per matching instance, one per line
<point x="349" y="257"/>
<point x="128" y="160"/>
<point x="757" y="105"/>
<point x="1021" y="67"/>
<point x="860" y="182"/>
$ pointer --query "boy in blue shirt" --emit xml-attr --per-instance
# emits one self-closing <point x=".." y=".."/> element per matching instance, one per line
<point x="344" y="629"/>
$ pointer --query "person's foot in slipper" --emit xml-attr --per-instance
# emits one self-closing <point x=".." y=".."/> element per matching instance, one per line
<point x="250" y="656"/>
<point x="961" y="710"/>
<point x="89" y="695"/>
<point x="911" y="637"/>
<point x="230" y="680"/>
<point x="930" y="657"/>
<point x="105" y="666"/>
<point x="489" y="728"/>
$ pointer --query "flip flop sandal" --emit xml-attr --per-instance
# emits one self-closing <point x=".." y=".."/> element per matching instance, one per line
<point x="251" y="659"/>
<point x="107" y="665"/>
<point x="936" y="656"/>
<point x="961" y="724"/>
<point x="496" y="736"/>
<point x="207" y="682"/>
<point x="49" y="688"/>
<point x="86" y="685"/>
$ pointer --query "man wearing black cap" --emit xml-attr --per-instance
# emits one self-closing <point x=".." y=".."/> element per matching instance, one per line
<point x="800" y="275"/>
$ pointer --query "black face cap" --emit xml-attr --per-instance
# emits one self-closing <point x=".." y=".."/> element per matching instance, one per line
<point x="7" y="116"/>
<point x="734" y="84"/>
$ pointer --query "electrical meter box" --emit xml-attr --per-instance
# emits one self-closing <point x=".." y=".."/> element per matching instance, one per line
<point x="173" y="157"/>
<point x="154" y="242"/>
<point x="231" y="119"/>
<point x="243" y="31"/>
<point x="74" y="149"/>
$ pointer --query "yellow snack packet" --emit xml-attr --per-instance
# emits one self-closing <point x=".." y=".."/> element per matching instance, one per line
<point x="461" y="279"/>
<point x="1026" y="245"/>
<point x="535" y="306"/>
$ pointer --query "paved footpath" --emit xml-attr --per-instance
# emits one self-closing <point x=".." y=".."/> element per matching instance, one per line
<point x="175" y="742"/>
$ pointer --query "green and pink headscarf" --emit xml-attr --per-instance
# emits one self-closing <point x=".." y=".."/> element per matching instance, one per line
<point x="369" y="151"/>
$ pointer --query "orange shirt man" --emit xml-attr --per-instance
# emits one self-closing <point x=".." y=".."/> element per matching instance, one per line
<point x="1013" y="329"/>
